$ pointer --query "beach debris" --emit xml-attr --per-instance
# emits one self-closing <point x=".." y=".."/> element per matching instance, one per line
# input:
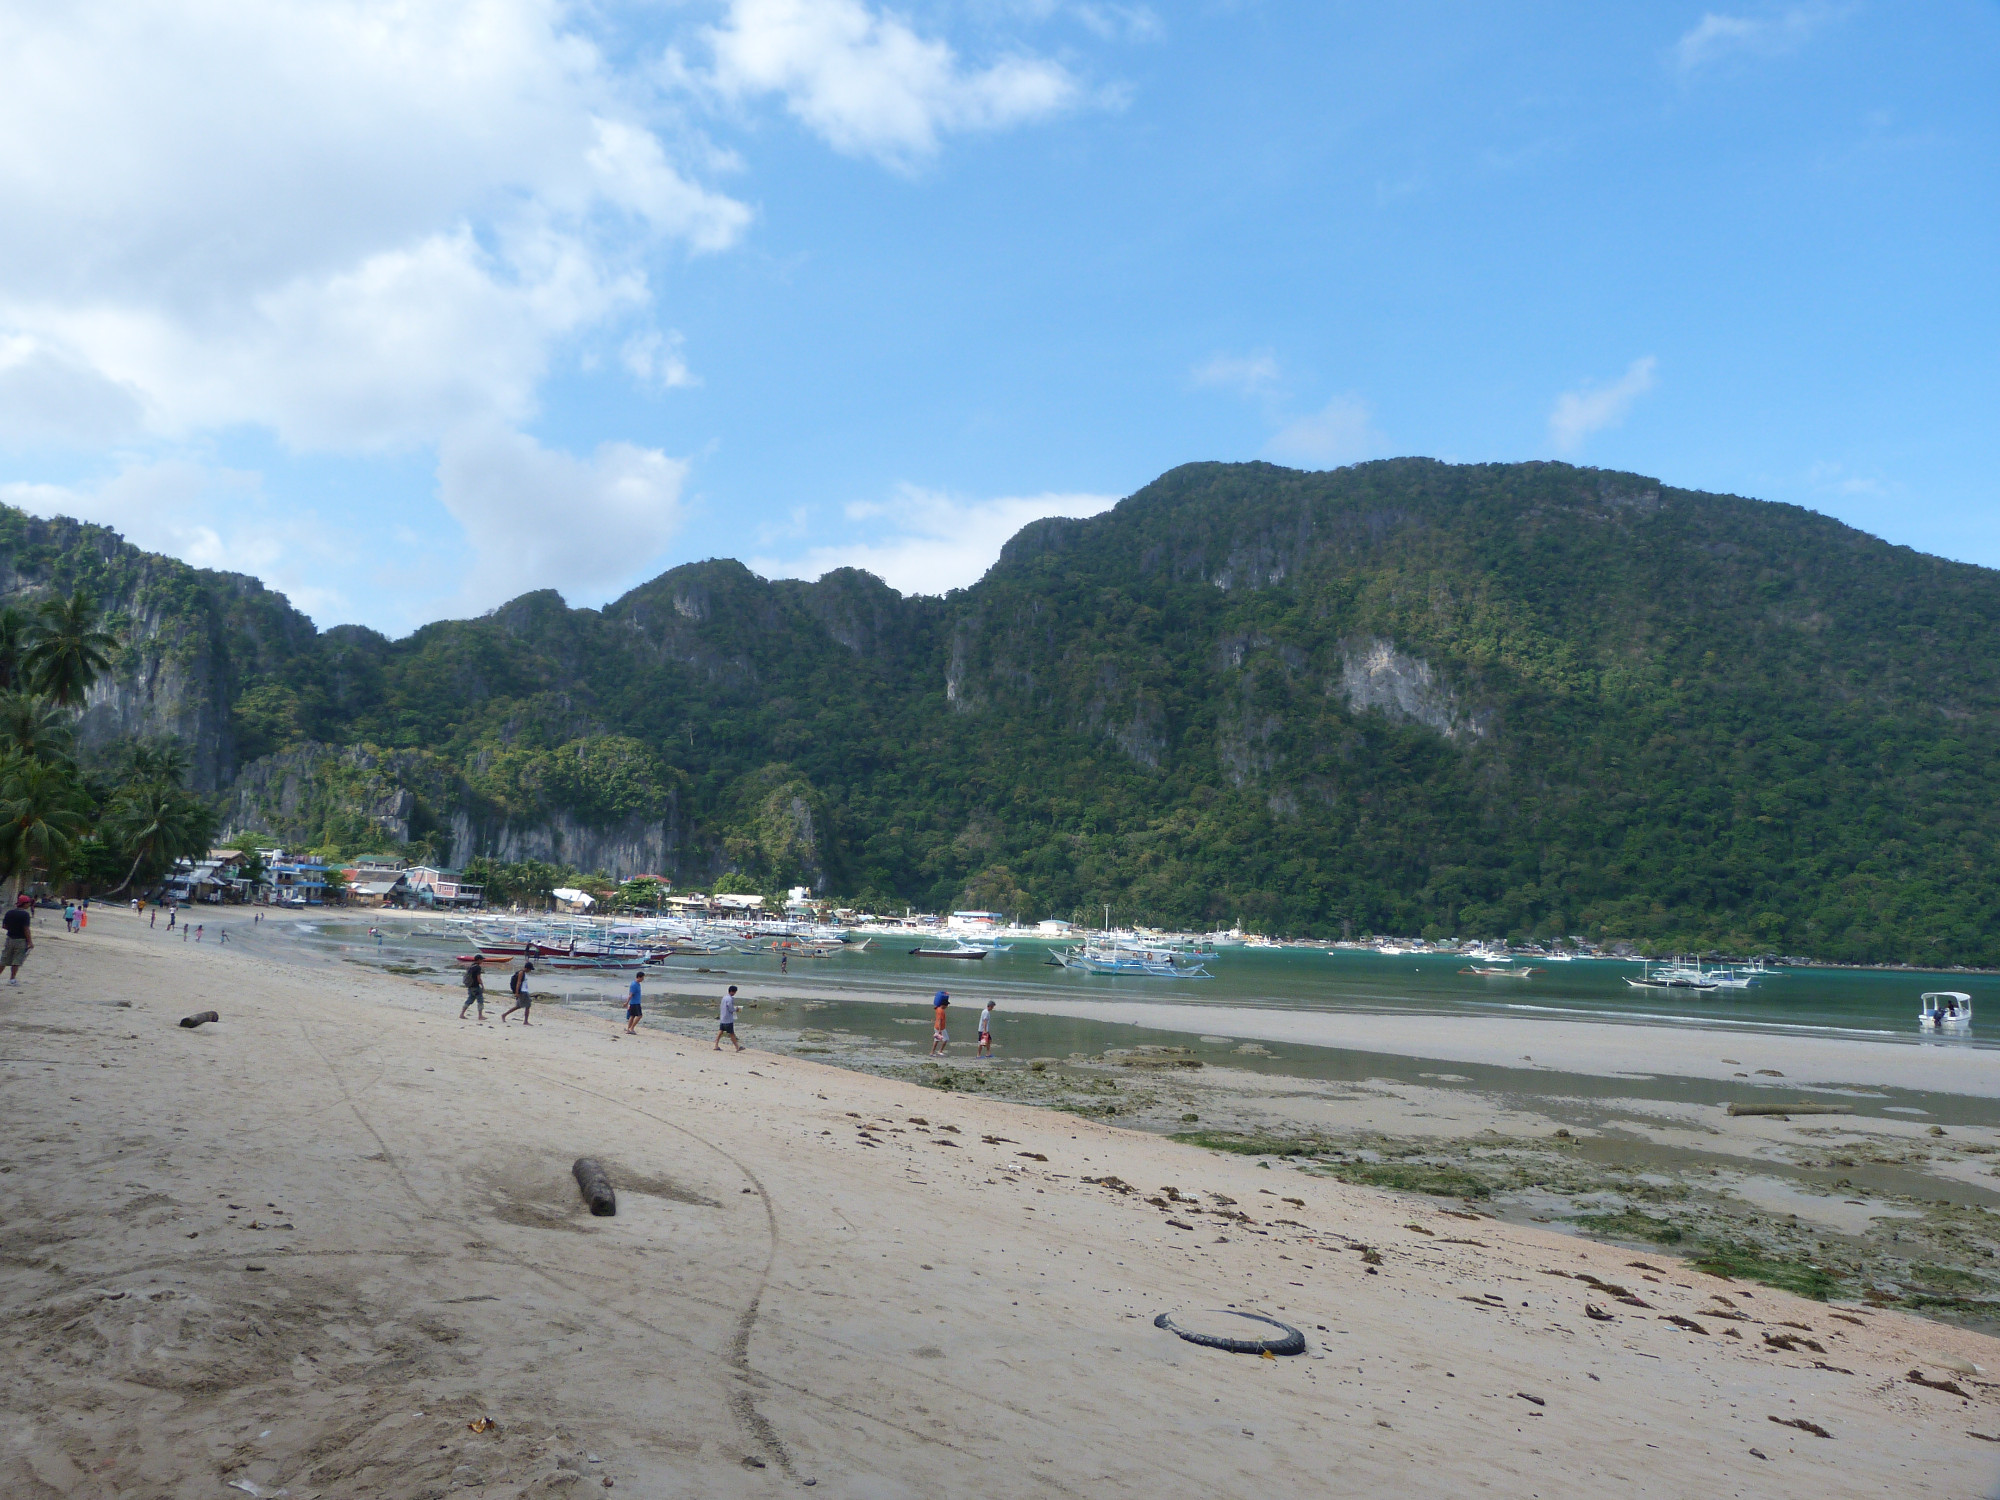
<point x="1820" y="1364"/>
<point x="1845" y="1318"/>
<point x="1523" y="1395"/>
<point x="199" y="1018"/>
<point x="1116" y="1184"/>
<point x="1803" y="1425"/>
<point x="998" y="1140"/>
<point x="1640" y="1265"/>
<point x="952" y="1128"/>
<point x="1295" y="1202"/>
<point x="1791" y="1342"/>
<point x="953" y="1144"/>
<point x="1592" y="1310"/>
<point x="595" y="1185"/>
<point x="918" y="1120"/>
<point x="1032" y="1155"/>
<point x="1769" y="1073"/>
<point x="1288" y="1341"/>
<point x="1937" y="1130"/>
<point x="1419" y="1229"/>
<point x="482" y="1424"/>
<point x="1369" y="1255"/>
<point x="1680" y="1322"/>
<point x="1917" y="1377"/>
<point x="1959" y="1366"/>
<point x="1176" y="1223"/>
<point x="1790" y="1109"/>
<point x="1984" y="1437"/>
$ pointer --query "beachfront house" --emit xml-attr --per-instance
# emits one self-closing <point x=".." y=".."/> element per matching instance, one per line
<point x="570" y="899"/>
<point x="976" y="921"/>
<point x="294" y="880"/>
<point x="736" y="902"/>
<point x="433" y="885"/>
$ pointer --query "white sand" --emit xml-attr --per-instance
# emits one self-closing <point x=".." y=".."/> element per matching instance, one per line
<point x="907" y="1318"/>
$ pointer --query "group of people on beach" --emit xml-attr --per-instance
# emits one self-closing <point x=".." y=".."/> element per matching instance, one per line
<point x="519" y="986"/>
<point x="941" y="1033"/>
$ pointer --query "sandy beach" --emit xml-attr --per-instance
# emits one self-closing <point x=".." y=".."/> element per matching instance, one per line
<point x="312" y="1247"/>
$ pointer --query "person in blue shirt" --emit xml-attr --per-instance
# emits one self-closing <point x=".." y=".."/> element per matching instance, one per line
<point x="633" y="1010"/>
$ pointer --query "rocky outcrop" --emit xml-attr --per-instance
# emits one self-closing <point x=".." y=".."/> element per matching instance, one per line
<point x="637" y="846"/>
<point x="1374" y="674"/>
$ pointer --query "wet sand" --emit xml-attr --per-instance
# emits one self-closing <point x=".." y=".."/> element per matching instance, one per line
<point x="306" y="1247"/>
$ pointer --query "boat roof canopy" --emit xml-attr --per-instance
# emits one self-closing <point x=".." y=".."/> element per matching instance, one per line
<point x="1944" y="995"/>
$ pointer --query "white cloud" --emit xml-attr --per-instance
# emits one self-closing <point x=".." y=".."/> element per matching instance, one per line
<point x="868" y="84"/>
<point x="543" y="519"/>
<point x="1717" y="36"/>
<point x="655" y="358"/>
<point x="1341" y="432"/>
<point x="48" y="398"/>
<point x="1579" y="413"/>
<point x="354" y="222"/>
<point x="1247" y="374"/>
<point x="927" y="542"/>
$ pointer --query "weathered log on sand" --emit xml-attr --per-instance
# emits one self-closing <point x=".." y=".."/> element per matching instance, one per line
<point x="1791" y="1109"/>
<point x="200" y="1019"/>
<point x="596" y="1186"/>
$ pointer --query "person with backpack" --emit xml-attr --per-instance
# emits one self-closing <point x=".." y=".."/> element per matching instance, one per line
<point x="518" y="984"/>
<point x="475" y="989"/>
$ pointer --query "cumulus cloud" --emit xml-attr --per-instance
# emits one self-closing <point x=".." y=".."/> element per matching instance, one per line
<point x="1716" y="36"/>
<point x="538" y="518"/>
<point x="927" y="542"/>
<point x="1247" y="374"/>
<point x="353" y="222"/>
<point x="1579" y="413"/>
<point x="1341" y="432"/>
<point x="867" y="83"/>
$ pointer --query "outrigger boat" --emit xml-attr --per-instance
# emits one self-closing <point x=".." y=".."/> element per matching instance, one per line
<point x="959" y="952"/>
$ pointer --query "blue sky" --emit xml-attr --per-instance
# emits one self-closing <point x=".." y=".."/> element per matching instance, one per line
<point x="409" y="312"/>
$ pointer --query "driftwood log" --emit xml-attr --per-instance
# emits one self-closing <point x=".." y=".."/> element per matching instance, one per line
<point x="1790" y="1109"/>
<point x="596" y="1186"/>
<point x="200" y="1018"/>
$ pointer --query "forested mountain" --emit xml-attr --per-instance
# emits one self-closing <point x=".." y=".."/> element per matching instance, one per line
<point x="1404" y="696"/>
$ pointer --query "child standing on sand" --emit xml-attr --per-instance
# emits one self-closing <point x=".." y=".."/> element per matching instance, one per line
<point x="725" y="1025"/>
<point x="986" y="1029"/>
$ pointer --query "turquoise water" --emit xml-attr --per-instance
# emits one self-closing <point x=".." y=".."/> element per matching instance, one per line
<point x="1876" y="1004"/>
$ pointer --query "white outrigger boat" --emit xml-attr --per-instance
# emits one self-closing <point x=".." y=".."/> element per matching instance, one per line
<point x="1945" y="1010"/>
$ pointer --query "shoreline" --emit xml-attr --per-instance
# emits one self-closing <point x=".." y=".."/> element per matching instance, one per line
<point x="330" y="1244"/>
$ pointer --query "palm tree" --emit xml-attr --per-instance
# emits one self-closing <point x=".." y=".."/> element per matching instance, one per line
<point x="13" y="645"/>
<point x="158" y="823"/>
<point x="165" y="762"/>
<point x="68" y="648"/>
<point x="29" y="726"/>
<point x="42" y="812"/>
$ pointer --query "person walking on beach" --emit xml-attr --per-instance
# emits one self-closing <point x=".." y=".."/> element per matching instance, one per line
<point x="986" y="1029"/>
<point x="634" y="1011"/>
<point x="725" y="1024"/>
<point x="153" y="918"/>
<point x="522" y="999"/>
<point x="173" y="915"/>
<point x="784" y="963"/>
<point x="475" y="990"/>
<point x="940" y="1037"/>
<point x="199" y="929"/>
<point x="69" y="916"/>
<point x="19" y="941"/>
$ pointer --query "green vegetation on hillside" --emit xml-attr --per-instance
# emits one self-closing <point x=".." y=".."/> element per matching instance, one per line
<point x="1401" y="697"/>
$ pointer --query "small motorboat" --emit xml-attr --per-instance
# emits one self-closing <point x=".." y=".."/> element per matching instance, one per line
<point x="947" y="953"/>
<point x="1492" y="973"/>
<point x="1945" y="1010"/>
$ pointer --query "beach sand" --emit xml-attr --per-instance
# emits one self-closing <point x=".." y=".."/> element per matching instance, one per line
<point x="305" y="1247"/>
